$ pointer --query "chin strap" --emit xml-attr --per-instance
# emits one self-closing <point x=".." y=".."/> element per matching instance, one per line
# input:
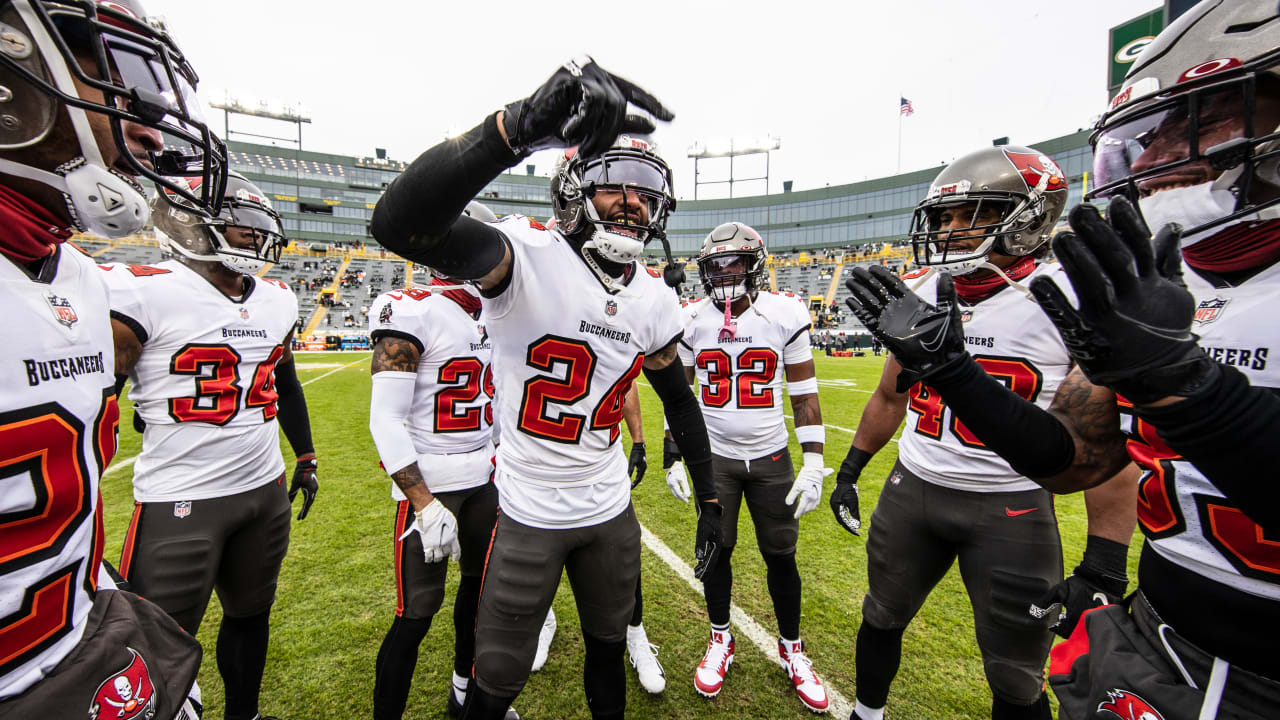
<point x="612" y="284"/>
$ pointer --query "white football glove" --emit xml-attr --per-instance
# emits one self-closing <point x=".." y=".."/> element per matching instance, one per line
<point x="438" y="530"/>
<point x="678" y="481"/>
<point x="807" y="488"/>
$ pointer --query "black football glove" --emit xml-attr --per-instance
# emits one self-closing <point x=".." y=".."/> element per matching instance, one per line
<point x="707" y="542"/>
<point x="844" y="498"/>
<point x="1098" y="580"/>
<point x="670" y="453"/>
<point x="923" y="338"/>
<point x="304" y="479"/>
<point x="581" y="104"/>
<point x="637" y="464"/>
<point x="1132" y="332"/>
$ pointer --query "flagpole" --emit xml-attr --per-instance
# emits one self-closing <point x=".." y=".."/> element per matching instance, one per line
<point x="899" y="171"/>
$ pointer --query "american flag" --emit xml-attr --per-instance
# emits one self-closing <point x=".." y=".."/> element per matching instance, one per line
<point x="904" y="107"/>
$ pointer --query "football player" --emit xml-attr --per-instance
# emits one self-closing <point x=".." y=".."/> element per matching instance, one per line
<point x="736" y="341"/>
<point x="982" y="229"/>
<point x="1189" y="139"/>
<point x="207" y="346"/>
<point x="90" y="106"/>
<point x="431" y="421"/>
<point x="574" y="318"/>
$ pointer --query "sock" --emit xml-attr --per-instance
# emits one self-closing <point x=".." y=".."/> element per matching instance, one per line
<point x="637" y="615"/>
<point x="465" y="604"/>
<point x="603" y="678"/>
<point x="1005" y="710"/>
<point x="242" y="656"/>
<point x="460" y="687"/>
<point x="717" y="587"/>
<point x="862" y="712"/>
<point x="634" y="632"/>
<point x="875" y="663"/>
<point x="784" y="588"/>
<point x="393" y="670"/>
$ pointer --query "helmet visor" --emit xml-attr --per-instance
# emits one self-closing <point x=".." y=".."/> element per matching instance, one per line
<point x="240" y="220"/>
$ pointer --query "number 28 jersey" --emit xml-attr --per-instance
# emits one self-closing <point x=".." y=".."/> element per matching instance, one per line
<point x="205" y="382"/>
<point x="740" y="379"/>
<point x="1014" y="341"/>
<point x="565" y="351"/>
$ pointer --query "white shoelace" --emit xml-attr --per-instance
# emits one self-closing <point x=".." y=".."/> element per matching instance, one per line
<point x="716" y="654"/>
<point x="802" y="667"/>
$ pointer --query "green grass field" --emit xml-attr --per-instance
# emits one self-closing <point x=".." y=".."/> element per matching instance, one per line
<point x="337" y="594"/>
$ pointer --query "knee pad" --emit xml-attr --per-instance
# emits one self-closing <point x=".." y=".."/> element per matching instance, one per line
<point x="882" y="616"/>
<point x="1015" y="685"/>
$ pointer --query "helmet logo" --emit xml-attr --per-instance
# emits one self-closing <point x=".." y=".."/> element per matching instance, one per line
<point x="1145" y="86"/>
<point x="955" y="188"/>
<point x="1208" y="68"/>
<point x="1035" y="167"/>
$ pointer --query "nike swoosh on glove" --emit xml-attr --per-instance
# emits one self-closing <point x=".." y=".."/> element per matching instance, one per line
<point x="1132" y="332"/>
<point x="306" y="481"/>
<point x="807" y="488"/>
<point x="438" y="530"/>
<point x="707" y="541"/>
<point x="581" y="104"/>
<point x="678" y="481"/>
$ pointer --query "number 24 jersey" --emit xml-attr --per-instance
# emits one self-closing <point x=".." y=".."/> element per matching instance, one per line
<point x="205" y="382"/>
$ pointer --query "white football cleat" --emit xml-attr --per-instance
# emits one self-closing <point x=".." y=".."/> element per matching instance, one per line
<point x="545" y="636"/>
<point x="644" y="658"/>
<point x="792" y="659"/>
<point x="715" y="664"/>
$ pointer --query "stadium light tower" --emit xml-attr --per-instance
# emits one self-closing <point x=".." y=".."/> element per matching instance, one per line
<point x="295" y="114"/>
<point x="732" y="148"/>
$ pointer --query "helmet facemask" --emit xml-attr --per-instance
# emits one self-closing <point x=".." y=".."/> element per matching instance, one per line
<point x="143" y="79"/>
<point x="1008" y="217"/>
<point x="246" y="234"/>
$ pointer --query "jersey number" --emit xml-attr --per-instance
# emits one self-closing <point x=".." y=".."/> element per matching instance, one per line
<point x="472" y="378"/>
<point x="756" y="369"/>
<point x="571" y="364"/>
<point x="44" y="446"/>
<point x="216" y="369"/>
<point x="1022" y="378"/>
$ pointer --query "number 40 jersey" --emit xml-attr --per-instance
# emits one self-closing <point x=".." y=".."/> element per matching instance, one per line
<point x="205" y="382"/>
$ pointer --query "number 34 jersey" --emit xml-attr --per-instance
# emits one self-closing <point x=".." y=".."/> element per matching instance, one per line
<point x="450" y="415"/>
<point x="205" y="382"/>
<point x="58" y="419"/>
<point x="740" y="380"/>
<point x="565" y="351"/>
<point x="1014" y="341"/>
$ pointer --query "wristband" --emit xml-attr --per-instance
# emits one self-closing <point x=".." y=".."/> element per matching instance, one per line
<point x="853" y="465"/>
<point x="808" y="386"/>
<point x="811" y="434"/>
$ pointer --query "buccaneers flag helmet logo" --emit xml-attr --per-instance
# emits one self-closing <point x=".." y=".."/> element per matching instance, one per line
<point x="1127" y="706"/>
<point x="1034" y="167"/>
<point x="127" y="694"/>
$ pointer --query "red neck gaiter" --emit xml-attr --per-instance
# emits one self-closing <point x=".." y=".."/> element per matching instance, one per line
<point x="975" y="290"/>
<point x="1243" y="246"/>
<point x="465" y="300"/>
<point x="28" y="231"/>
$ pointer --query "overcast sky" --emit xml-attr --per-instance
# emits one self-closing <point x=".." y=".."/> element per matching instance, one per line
<point x="825" y="77"/>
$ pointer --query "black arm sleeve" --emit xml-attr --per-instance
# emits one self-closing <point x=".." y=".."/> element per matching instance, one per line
<point x="687" y="425"/>
<point x="293" y="409"/>
<point x="1033" y="442"/>
<point x="419" y="216"/>
<point x="1231" y="432"/>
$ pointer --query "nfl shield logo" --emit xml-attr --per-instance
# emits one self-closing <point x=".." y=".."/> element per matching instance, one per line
<point x="966" y="316"/>
<point x="384" y="316"/>
<point x="1209" y="310"/>
<point x="895" y="478"/>
<point x="182" y="508"/>
<point x="244" y="314"/>
<point x="62" y="310"/>
<point x="610" y="308"/>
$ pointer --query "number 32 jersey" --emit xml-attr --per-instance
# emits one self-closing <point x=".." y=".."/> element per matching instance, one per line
<point x="1014" y="341"/>
<point x="205" y="382"/>
<point x="58" y="419"/>
<point x="565" y="351"/>
<point x="740" y="380"/>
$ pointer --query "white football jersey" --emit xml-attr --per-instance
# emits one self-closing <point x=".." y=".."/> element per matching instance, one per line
<point x="740" y="380"/>
<point x="565" y="351"/>
<point x="205" y="382"/>
<point x="1014" y="341"/>
<point x="451" y="416"/>
<point x="1185" y="517"/>
<point x="58" y="420"/>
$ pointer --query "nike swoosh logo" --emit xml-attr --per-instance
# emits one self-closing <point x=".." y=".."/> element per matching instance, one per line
<point x="777" y="457"/>
<point x="1016" y="513"/>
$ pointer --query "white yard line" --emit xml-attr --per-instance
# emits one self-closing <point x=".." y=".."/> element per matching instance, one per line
<point x="126" y="462"/>
<point x="754" y="631"/>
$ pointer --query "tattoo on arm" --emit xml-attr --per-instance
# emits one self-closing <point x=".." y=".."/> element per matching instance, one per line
<point x="410" y="481"/>
<point x="1090" y="414"/>
<point x="393" y="354"/>
<point x="662" y="358"/>
<point x="807" y="411"/>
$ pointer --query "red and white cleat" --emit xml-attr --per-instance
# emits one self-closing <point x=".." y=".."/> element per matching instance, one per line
<point x="792" y="659"/>
<point x="715" y="664"/>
